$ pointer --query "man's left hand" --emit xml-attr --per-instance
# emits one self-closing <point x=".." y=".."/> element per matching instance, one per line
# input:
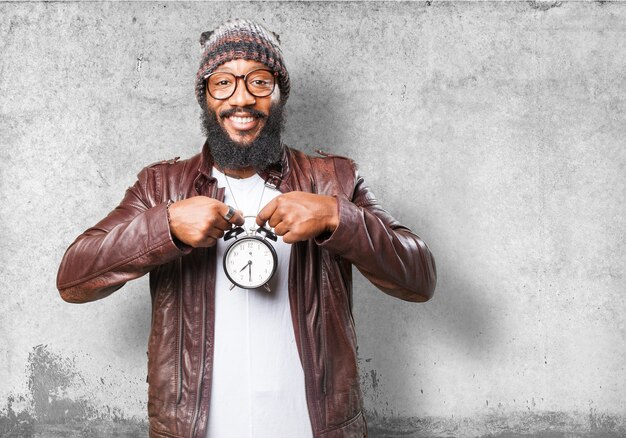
<point x="300" y="216"/>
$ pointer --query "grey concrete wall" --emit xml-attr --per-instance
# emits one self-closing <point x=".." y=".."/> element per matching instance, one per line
<point x="495" y="130"/>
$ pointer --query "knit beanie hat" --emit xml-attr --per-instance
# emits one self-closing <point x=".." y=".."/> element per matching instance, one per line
<point x="240" y="39"/>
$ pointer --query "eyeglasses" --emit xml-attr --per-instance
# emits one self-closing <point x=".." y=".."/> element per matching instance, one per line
<point x="259" y="83"/>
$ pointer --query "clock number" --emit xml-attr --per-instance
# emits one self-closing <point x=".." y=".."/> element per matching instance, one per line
<point x="249" y="262"/>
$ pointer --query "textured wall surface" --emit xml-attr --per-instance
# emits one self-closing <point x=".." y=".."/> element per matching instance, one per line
<point x="495" y="130"/>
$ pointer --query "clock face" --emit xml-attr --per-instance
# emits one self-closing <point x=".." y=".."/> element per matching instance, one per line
<point x="250" y="262"/>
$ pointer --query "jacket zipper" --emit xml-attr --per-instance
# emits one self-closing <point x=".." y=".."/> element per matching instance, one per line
<point x="179" y="346"/>
<point x="316" y="422"/>
<point x="306" y="357"/>
<point x="179" y="353"/>
<point x="194" y="421"/>
<point x="323" y="303"/>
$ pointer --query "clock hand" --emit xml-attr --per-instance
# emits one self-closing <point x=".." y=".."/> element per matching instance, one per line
<point x="246" y="265"/>
<point x="250" y="271"/>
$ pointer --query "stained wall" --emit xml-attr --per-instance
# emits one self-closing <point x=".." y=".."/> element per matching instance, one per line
<point x="495" y="130"/>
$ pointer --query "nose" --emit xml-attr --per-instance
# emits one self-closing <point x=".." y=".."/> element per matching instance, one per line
<point x="241" y="97"/>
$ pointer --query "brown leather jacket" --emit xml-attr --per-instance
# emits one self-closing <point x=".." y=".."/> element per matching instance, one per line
<point x="134" y="239"/>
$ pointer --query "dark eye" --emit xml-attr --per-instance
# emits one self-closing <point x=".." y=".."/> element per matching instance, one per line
<point x="221" y="81"/>
<point x="260" y="82"/>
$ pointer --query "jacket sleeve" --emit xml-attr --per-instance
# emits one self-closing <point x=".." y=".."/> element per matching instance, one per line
<point x="132" y="240"/>
<point x="388" y="254"/>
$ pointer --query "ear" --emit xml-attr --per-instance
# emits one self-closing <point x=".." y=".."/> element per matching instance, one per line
<point x="204" y="37"/>
<point x="276" y="36"/>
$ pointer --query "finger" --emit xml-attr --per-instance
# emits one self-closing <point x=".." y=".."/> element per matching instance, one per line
<point x="215" y="233"/>
<point x="291" y="238"/>
<point x="221" y="224"/>
<point x="277" y="218"/>
<point x="227" y="212"/>
<point x="266" y="212"/>
<point x="237" y="218"/>
<point x="228" y="217"/>
<point x="209" y="241"/>
<point x="281" y="229"/>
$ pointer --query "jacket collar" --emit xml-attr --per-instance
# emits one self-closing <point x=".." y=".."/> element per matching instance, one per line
<point x="277" y="173"/>
<point x="206" y="160"/>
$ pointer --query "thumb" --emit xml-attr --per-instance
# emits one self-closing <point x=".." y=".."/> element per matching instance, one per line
<point x="266" y="213"/>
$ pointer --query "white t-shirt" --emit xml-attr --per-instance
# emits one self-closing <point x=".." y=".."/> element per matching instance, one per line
<point x="258" y="381"/>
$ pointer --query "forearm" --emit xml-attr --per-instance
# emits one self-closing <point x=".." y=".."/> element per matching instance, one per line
<point x="132" y="240"/>
<point x="388" y="254"/>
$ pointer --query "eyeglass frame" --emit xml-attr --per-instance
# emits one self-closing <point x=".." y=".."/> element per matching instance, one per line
<point x="245" y="83"/>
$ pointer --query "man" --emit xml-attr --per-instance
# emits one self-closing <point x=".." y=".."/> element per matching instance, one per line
<point x="226" y="359"/>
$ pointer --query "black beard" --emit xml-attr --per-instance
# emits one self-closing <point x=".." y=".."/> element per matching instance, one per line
<point x="263" y="151"/>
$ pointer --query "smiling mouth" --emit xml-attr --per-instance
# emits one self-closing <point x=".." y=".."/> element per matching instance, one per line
<point x="242" y="121"/>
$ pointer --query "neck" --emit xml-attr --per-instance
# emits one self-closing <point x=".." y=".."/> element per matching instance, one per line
<point x="244" y="172"/>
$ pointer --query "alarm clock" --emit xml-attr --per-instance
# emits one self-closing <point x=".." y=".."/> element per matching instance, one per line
<point x="250" y="261"/>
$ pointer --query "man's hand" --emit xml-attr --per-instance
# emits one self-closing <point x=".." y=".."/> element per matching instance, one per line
<point x="199" y="221"/>
<point x="300" y="216"/>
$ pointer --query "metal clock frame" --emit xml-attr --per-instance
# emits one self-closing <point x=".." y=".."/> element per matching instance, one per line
<point x="260" y="234"/>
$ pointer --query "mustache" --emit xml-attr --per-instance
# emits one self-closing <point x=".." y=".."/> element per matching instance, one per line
<point x="243" y="111"/>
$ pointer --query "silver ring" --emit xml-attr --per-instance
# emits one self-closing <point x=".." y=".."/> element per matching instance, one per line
<point x="230" y="214"/>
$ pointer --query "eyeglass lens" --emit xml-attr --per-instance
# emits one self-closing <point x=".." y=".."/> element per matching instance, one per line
<point x="222" y="85"/>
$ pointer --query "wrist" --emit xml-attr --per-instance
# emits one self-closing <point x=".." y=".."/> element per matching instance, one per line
<point x="333" y="220"/>
<point x="167" y="211"/>
<point x="171" y="218"/>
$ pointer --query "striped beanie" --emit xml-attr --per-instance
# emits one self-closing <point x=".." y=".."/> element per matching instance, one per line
<point x="240" y="39"/>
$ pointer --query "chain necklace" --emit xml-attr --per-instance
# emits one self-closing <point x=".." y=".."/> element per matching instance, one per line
<point x="253" y="251"/>
<point x="235" y="200"/>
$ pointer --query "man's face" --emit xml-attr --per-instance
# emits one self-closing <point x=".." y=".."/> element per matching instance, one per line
<point x="242" y="116"/>
<point x="244" y="131"/>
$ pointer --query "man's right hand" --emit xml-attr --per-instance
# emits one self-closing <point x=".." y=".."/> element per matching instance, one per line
<point x="199" y="221"/>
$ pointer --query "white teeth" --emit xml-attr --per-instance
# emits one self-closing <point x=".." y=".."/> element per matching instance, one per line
<point x="242" y="119"/>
